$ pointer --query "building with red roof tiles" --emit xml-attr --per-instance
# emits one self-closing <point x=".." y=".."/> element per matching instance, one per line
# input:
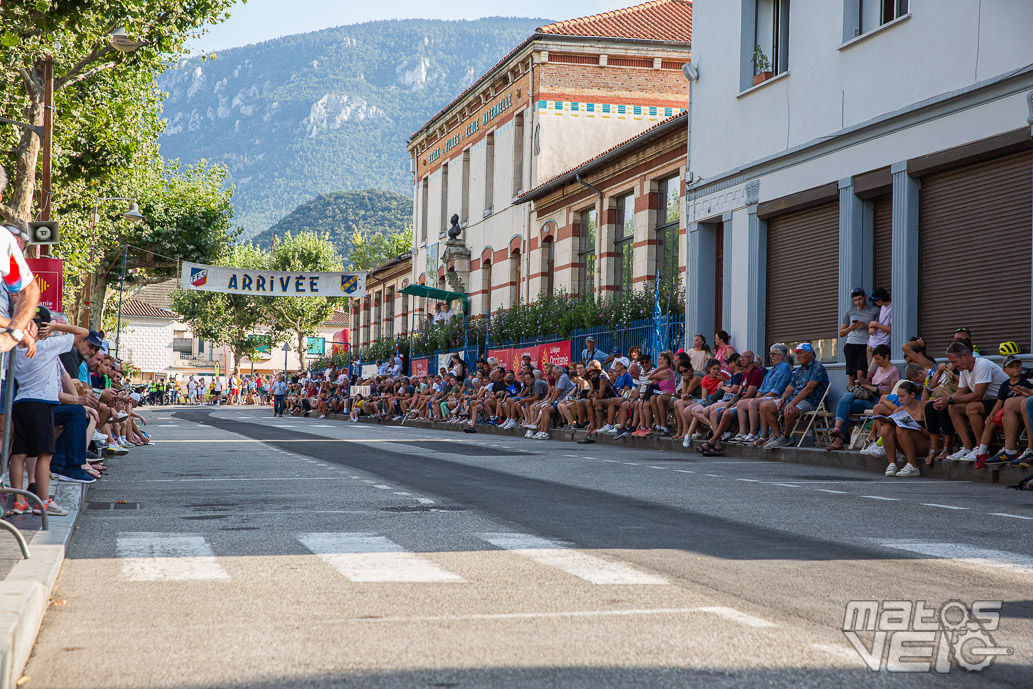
<point x="570" y="91"/>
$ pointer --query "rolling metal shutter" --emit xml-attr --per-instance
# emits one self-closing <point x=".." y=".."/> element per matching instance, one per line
<point x="974" y="261"/>
<point x="803" y="275"/>
<point x="882" y="238"/>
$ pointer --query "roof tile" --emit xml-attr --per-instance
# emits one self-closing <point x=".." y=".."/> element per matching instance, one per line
<point x="141" y="309"/>
<point x="660" y="20"/>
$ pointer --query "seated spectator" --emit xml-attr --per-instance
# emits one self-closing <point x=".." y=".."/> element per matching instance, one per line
<point x="804" y="394"/>
<point x="753" y="377"/>
<point x="941" y="381"/>
<point x="912" y="442"/>
<point x="979" y="381"/>
<point x="623" y="384"/>
<point x="883" y="378"/>
<point x="727" y="395"/>
<point x="710" y="393"/>
<point x="776" y="379"/>
<point x="854" y="330"/>
<point x="1011" y="394"/>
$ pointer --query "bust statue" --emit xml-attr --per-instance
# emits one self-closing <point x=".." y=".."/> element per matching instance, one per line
<point x="453" y="232"/>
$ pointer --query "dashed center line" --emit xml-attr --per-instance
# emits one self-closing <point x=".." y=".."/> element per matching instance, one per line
<point x="632" y="464"/>
<point x="382" y="486"/>
<point x="660" y="468"/>
<point x="1011" y="516"/>
<point x="945" y="507"/>
<point x="684" y="471"/>
<point x="829" y="490"/>
<point x="786" y="485"/>
<point x="880" y="497"/>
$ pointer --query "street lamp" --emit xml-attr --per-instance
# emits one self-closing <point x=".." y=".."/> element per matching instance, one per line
<point x="132" y="215"/>
<point x="123" y="42"/>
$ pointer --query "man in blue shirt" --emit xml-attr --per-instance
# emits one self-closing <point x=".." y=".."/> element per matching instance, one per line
<point x="279" y="390"/>
<point x="804" y="394"/>
<point x="772" y="387"/>
<point x="590" y="354"/>
<point x="623" y="383"/>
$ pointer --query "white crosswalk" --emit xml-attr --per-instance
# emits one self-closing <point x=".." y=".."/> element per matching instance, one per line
<point x="366" y="557"/>
<point x="149" y="556"/>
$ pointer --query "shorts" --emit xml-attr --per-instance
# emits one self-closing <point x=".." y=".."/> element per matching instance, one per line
<point x="998" y="419"/>
<point x="856" y="357"/>
<point x="988" y="406"/>
<point x="804" y="406"/>
<point x="33" y="428"/>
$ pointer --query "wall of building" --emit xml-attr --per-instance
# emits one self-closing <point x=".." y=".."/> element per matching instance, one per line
<point x="147" y="342"/>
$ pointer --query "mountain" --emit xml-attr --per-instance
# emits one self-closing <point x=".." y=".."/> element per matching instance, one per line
<point x="319" y="112"/>
<point x="342" y="213"/>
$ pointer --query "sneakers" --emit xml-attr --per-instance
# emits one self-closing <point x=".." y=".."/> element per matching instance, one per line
<point x="323" y="416"/>
<point x="981" y="460"/>
<point x="963" y="455"/>
<point x="509" y="425"/>
<point x="52" y="508"/>
<point x="686" y="442"/>
<point x="867" y="449"/>
<point x="748" y="439"/>
<point x="21" y="507"/>
<point x="909" y="471"/>
<point x="469" y="429"/>
<point x="529" y="435"/>
<point x="100" y="438"/>
<point x="114" y="449"/>
<point x="1001" y="457"/>
<point x="777" y="442"/>
<point x="728" y="435"/>
<point x="529" y="425"/>
<point x="541" y="435"/>
<point x="1024" y="460"/>
<point x="622" y="433"/>
<point x="891" y="470"/>
<point x="877" y="451"/>
<point x="72" y="475"/>
<point x="608" y="428"/>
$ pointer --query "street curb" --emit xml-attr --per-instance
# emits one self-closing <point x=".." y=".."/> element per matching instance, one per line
<point x="841" y="459"/>
<point x="25" y="593"/>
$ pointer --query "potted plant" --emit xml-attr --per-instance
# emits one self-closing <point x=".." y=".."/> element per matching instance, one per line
<point x="761" y="66"/>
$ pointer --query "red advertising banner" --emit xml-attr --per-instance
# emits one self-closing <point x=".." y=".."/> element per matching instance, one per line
<point x="501" y="355"/>
<point x="556" y="353"/>
<point x="420" y="366"/>
<point x="50" y="276"/>
<point x="519" y="353"/>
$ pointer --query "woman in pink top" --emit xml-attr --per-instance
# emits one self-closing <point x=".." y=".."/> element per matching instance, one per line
<point x="882" y="381"/>
<point x="723" y="349"/>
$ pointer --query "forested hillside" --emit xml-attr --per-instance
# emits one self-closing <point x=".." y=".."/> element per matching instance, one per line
<point x="326" y="111"/>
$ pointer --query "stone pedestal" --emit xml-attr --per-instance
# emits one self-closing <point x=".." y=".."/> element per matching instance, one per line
<point x="456" y="260"/>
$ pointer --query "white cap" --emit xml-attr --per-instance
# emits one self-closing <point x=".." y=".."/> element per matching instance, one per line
<point x="136" y="397"/>
<point x="623" y="361"/>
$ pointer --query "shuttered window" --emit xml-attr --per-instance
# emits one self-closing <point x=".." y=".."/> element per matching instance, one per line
<point x="882" y="239"/>
<point x="803" y="276"/>
<point x="974" y="262"/>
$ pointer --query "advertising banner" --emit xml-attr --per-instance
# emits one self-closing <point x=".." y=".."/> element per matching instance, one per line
<point x="420" y="367"/>
<point x="270" y="283"/>
<point x="50" y="277"/>
<point x="503" y="356"/>
<point x="556" y="353"/>
<point x="519" y="352"/>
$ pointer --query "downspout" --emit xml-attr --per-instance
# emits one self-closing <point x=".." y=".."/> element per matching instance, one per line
<point x="598" y="234"/>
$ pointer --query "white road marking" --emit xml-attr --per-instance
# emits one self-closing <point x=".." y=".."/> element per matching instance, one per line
<point x="632" y="464"/>
<point x="534" y="615"/>
<point x="402" y="492"/>
<point x="715" y="475"/>
<point x="148" y="556"/>
<point x="574" y="456"/>
<point x="425" y="501"/>
<point x="829" y="490"/>
<point x="367" y="557"/>
<point x="1012" y="516"/>
<point x="946" y="507"/>
<point x="660" y="468"/>
<point x="738" y="616"/>
<point x="965" y="554"/>
<point x="321" y="425"/>
<point x="168" y="425"/>
<point x="880" y="497"/>
<point x="209" y="480"/>
<point x="611" y="461"/>
<point x="786" y="485"/>
<point x="382" y="486"/>
<point x="684" y="471"/>
<point x="582" y="565"/>
<point x="748" y="480"/>
<point x="841" y="652"/>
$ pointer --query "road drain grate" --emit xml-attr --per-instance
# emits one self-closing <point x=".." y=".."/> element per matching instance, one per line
<point x="424" y="508"/>
<point x="112" y="506"/>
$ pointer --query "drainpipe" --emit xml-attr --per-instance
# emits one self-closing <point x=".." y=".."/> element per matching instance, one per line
<point x="599" y="215"/>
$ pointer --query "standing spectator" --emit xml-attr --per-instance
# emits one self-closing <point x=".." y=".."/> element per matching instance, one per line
<point x="279" y="390"/>
<point x="854" y="328"/>
<point x="979" y="381"/>
<point x="879" y="329"/>
<point x="699" y="355"/>
<point x="590" y="354"/>
<point x="218" y="390"/>
<point x="723" y="349"/>
<point x="884" y="377"/>
<point x="810" y="381"/>
<point x="354" y="369"/>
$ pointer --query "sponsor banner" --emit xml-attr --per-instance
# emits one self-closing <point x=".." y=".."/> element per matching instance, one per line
<point x="356" y="390"/>
<point x="518" y="355"/>
<point x="369" y="370"/>
<point x="419" y="367"/>
<point x="50" y="277"/>
<point x="503" y="356"/>
<point x="556" y="353"/>
<point x="270" y="283"/>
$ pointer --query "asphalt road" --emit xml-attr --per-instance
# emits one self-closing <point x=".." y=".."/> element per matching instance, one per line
<point x="247" y="551"/>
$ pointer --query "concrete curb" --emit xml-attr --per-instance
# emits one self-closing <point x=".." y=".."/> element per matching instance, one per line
<point x="25" y="593"/>
<point x="950" y="471"/>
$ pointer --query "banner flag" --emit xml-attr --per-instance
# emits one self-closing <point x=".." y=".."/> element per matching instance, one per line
<point x="270" y="283"/>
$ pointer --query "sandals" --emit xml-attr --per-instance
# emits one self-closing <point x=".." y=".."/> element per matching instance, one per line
<point x="704" y="448"/>
<point x="837" y="441"/>
<point x="931" y="457"/>
<point x="714" y="452"/>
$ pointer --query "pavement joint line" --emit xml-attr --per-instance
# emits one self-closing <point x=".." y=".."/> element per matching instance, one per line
<point x="946" y="507"/>
<point x="880" y="497"/>
<point x="1011" y="516"/>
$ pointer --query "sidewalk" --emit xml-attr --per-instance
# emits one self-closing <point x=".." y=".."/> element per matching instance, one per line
<point x="26" y="585"/>
<point x="947" y="470"/>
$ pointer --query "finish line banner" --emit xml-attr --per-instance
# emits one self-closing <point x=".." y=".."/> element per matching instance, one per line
<point x="270" y="283"/>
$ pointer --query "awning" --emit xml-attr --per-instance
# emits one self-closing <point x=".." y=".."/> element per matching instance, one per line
<point x="435" y="293"/>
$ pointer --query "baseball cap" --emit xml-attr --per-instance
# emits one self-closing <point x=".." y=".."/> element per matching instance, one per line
<point x="880" y="294"/>
<point x="492" y="361"/>
<point x="804" y="347"/>
<point x="136" y="397"/>
<point x="17" y="231"/>
<point x="105" y="347"/>
<point x="857" y="292"/>
<point x="616" y="351"/>
<point x="623" y="361"/>
<point x="589" y="339"/>
<point x="1009" y="360"/>
<point x="42" y="315"/>
<point x="95" y="339"/>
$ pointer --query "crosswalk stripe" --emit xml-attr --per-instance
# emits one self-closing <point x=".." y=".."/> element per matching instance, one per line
<point x="964" y="553"/>
<point x="582" y="565"/>
<point x="367" y="557"/>
<point x="167" y="557"/>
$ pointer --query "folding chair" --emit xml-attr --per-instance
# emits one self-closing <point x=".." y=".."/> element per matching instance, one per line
<point x="818" y="419"/>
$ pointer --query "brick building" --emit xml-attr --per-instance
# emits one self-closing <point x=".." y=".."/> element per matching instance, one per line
<point x="570" y="91"/>
<point x="612" y="222"/>
<point x="384" y="311"/>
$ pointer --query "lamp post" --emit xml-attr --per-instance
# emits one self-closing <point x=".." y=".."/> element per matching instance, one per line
<point x="133" y="215"/>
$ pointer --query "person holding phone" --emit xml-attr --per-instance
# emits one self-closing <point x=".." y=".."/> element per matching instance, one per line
<point x="854" y="331"/>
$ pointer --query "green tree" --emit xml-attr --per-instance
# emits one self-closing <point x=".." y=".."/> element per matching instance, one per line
<point x="370" y="249"/>
<point x="108" y="100"/>
<point x="231" y="318"/>
<point x="302" y="316"/>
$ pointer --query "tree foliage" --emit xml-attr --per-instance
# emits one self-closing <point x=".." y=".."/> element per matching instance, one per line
<point x="302" y="316"/>
<point x="231" y="318"/>
<point x="369" y="250"/>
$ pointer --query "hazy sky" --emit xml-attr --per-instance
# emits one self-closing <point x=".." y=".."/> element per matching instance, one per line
<point x="260" y="20"/>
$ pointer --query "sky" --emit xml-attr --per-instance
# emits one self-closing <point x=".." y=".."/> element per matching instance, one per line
<point x="261" y="20"/>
